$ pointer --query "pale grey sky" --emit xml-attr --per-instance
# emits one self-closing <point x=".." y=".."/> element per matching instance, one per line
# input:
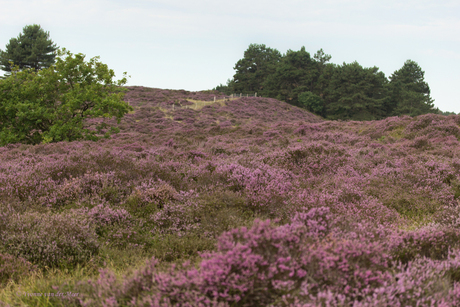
<point x="194" y="45"/>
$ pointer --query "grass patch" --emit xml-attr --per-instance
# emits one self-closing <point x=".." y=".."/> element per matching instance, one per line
<point x="199" y="104"/>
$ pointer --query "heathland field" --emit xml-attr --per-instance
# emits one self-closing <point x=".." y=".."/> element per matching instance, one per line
<point x="245" y="202"/>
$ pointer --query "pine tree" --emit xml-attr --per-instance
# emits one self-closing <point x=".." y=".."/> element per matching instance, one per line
<point x="410" y="92"/>
<point x="356" y="93"/>
<point x="252" y="71"/>
<point x="296" y="73"/>
<point x="33" y="48"/>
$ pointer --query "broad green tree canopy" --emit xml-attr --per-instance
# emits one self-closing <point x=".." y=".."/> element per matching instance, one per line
<point x="51" y="104"/>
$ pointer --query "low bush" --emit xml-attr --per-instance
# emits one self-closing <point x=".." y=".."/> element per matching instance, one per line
<point x="13" y="268"/>
<point x="51" y="240"/>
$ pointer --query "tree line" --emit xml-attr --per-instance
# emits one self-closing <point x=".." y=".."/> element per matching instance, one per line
<point x="346" y="92"/>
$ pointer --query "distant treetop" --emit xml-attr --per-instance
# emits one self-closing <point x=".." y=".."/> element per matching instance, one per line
<point x="33" y="48"/>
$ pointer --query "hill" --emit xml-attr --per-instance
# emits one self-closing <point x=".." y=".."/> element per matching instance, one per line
<point x="158" y="111"/>
<point x="245" y="202"/>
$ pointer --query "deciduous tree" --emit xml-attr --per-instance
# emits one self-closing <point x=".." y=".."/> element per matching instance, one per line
<point x="51" y="104"/>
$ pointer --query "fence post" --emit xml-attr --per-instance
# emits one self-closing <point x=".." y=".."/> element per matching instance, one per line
<point x="255" y="95"/>
<point x="214" y="98"/>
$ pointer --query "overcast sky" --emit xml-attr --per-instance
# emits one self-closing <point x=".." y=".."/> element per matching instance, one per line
<point x="194" y="45"/>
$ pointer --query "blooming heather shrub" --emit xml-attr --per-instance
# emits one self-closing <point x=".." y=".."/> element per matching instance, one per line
<point x="178" y="217"/>
<point x="350" y="267"/>
<point x="317" y="221"/>
<point x="449" y="216"/>
<point x="13" y="268"/>
<point x="228" y="276"/>
<point x="51" y="240"/>
<point x="263" y="186"/>
<point x="421" y="142"/>
<point x="346" y="190"/>
<point x="422" y="121"/>
<point x="88" y="185"/>
<point x="426" y="242"/>
<point x="255" y="267"/>
<point x="158" y="193"/>
<point x="5" y="214"/>
<point x="421" y="282"/>
<point x="313" y="160"/>
<point x="104" y="215"/>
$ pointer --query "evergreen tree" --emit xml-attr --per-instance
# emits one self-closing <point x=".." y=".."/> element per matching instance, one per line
<point x="31" y="49"/>
<point x="253" y="69"/>
<point x="410" y="94"/>
<point x="227" y="89"/>
<point x="311" y="102"/>
<point x="346" y="91"/>
<point x="356" y="93"/>
<point x="296" y="73"/>
<point x="325" y="72"/>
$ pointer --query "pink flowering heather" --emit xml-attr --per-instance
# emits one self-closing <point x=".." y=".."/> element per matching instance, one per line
<point x="244" y="202"/>
<point x="13" y="268"/>
<point x="51" y="240"/>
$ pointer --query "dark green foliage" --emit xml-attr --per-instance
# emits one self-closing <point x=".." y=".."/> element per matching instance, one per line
<point x="252" y="71"/>
<point x="31" y="49"/>
<point x="347" y="92"/>
<point x="446" y="113"/>
<point x="296" y="73"/>
<point x="226" y="89"/>
<point x="51" y="105"/>
<point x="410" y="92"/>
<point x="311" y="102"/>
<point x="355" y="92"/>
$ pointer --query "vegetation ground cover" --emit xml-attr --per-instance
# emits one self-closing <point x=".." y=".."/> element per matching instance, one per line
<point x="249" y="202"/>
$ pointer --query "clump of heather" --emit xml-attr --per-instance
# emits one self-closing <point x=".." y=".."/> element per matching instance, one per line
<point x="157" y="193"/>
<point x="264" y="186"/>
<point x="51" y="240"/>
<point x="178" y="218"/>
<point x="257" y="266"/>
<point x="104" y="215"/>
<point x="13" y="268"/>
<point x="294" y="264"/>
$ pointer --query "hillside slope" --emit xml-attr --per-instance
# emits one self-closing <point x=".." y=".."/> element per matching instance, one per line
<point x="271" y="204"/>
<point x="191" y="110"/>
